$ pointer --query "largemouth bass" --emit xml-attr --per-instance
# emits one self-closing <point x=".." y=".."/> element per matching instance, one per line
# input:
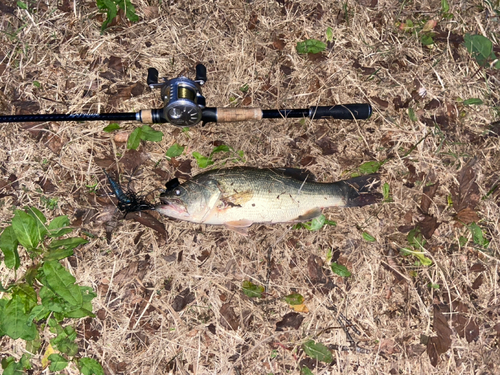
<point x="241" y="196"/>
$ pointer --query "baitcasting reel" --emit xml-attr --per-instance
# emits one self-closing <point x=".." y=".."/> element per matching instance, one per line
<point x="182" y="98"/>
<point x="184" y="105"/>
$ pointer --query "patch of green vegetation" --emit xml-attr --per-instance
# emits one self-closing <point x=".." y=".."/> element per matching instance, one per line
<point x="317" y="351"/>
<point x="417" y="242"/>
<point x="329" y="34"/>
<point x="386" y="192"/>
<point x="244" y="88"/>
<point x="421" y="29"/>
<point x="47" y="294"/>
<point x="315" y="224"/>
<point x="110" y="7"/>
<point x="252" y="290"/>
<point x="50" y="203"/>
<point x="310" y="46"/>
<point x="481" y="49"/>
<point x="340" y="270"/>
<point x="111" y="127"/>
<point x="294" y="299"/>
<point x="368" y="237"/>
<point x="205" y="161"/>
<point x="477" y="235"/>
<point x="174" y="151"/>
<point x="143" y="133"/>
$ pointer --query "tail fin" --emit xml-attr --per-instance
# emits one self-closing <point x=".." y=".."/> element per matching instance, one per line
<point x="360" y="191"/>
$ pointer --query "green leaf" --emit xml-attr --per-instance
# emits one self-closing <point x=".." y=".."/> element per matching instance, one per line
<point x="52" y="301"/>
<point x="329" y="34"/>
<point x="306" y="371"/>
<point x="221" y="148"/>
<point x="149" y="134"/>
<point x="315" y="224"/>
<point x="2" y="289"/>
<point x="62" y="283"/>
<point x="416" y="239"/>
<point x="39" y="312"/>
<point x="480" y="47"/>
<point x="244" y="88"/>
<point x="340" y="270"/>
<point x="130" y="11"/>
<point x="477" y="235"/>
<point x="473" y="101"/>
<point x="421" y="257"/>
<point x="67" y="243"/>
<point x="310" y="46"/>
<point x="174" y="151"/>
<point x="203" y="161"/>
<point x="37" y="84"/>
<point x="386" y="192"/>
<point x="26" y="229"/>
<point x="11" y="367"/>
<point x="111" y="127"/>
<point x="27" y="295"/>
<point x="39" y="218"/>
<point x="462" y="241"/>
<point x="370" y="167"/>
<point x="368" y="237"/>
<point x="110" y="8"/>
<point x="412" y="115"/>
<point x="58" y="254"/>
<point x="57" y="226"/>
<point x="22" y="5"/>
<point x="294" y="299"/>
<point x="134" y="139"/>
<point x="15" y="320"/>
<point x="32" y="346"/>
<point x="445" y="7"/>
<point x="57" y="362"/>
<point x="317" y="351"/>
<point x="251" y="290"/>
<point x="65" y="342"/>
<point x="427" y="39"/>
<point x="89" y="366"/>
<point x="8" y="245"/>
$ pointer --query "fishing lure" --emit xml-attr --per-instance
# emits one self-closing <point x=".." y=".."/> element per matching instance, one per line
<point x="129" y="201"/>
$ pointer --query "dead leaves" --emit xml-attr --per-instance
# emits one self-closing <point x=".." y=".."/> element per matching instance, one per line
<point x="437" y="345"/>
<point x="291" y="320"/>
<point x="229" y="320"/>
<point x="183" y="299"/>
<point x="466" y="196"/>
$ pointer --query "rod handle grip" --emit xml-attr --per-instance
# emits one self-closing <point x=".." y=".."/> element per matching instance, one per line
<point x="238" y="114"/>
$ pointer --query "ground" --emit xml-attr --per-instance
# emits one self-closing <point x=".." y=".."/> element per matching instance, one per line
<point x="169" y="298"/>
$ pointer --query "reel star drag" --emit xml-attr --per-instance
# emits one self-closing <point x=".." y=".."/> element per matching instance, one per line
<point x="184" y="105"/>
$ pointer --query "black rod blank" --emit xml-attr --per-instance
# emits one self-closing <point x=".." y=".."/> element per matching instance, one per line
<point x="71" y="117"/>
<point x="341" y="112"/>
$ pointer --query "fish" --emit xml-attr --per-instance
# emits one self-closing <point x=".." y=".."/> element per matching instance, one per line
<point x="241" y="196"/>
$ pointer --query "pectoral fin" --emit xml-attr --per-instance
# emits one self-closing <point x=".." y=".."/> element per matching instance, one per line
<point x="309" y="215"/>
<point x="239" y="226"/>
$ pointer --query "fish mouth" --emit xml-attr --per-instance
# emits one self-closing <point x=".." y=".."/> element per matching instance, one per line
<point x="173" y="209"/>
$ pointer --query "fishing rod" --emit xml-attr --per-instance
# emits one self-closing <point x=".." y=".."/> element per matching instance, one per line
<point x="184" y="105"/>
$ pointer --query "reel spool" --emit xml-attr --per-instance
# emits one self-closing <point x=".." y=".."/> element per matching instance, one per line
<point x="182" y="97"/>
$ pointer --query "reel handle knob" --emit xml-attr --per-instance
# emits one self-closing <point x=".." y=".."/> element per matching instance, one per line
<point x="201" y="74"/>
<point x="152" y="76"/>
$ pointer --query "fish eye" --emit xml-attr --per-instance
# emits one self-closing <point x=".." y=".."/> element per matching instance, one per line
<point x="177" y="192"/>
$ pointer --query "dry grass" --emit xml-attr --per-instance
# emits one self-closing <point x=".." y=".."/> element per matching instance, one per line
<point x="138" y="274"/>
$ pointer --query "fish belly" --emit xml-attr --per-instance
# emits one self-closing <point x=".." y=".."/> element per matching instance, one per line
<point x="273" y="208"/>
